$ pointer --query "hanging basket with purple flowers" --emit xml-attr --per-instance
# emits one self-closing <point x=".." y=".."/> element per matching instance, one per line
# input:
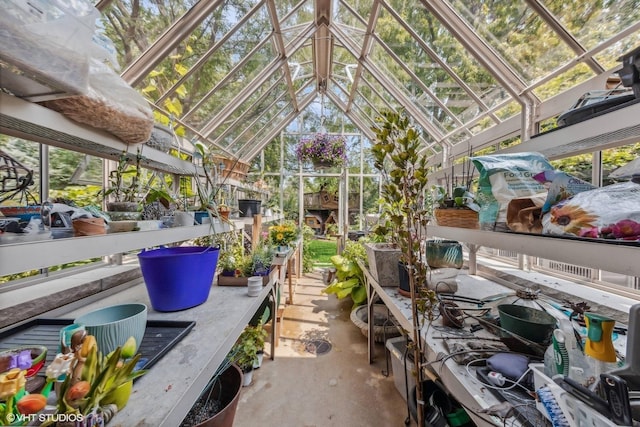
<point x="323" y="150"/>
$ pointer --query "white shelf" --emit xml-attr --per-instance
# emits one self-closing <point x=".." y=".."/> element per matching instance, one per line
<point x="24" y="119"/>
<point x="609" y="130"/>
<point x="612" y="257"/>
<point x="16" y="258"/>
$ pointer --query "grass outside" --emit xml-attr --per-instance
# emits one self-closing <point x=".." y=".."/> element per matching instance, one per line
<point x="321" y="251"/>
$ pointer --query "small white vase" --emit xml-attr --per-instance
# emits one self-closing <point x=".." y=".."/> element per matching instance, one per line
<point x="247" y="378"/>
<point x="254" y="286"/>
<point x="259" y="358"/>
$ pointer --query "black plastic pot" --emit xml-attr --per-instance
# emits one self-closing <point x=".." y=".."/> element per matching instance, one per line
<point x="437" y="404"/>
<point x="248" y="207"/>
<point x="403" y="276"/>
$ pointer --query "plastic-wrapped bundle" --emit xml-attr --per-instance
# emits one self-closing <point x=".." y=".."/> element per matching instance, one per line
<point x="110" y="104"/>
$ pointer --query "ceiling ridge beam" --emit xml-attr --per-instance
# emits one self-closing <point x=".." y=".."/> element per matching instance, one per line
<point x="280" y="47"/>
<point x="204" y="58"/>
<point x="172" y="37"/>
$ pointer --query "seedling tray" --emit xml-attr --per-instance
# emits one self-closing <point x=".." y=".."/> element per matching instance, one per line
<point x="159" y="337"/>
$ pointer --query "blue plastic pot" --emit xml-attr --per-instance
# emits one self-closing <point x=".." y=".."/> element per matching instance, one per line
<point x="178" y="278"/>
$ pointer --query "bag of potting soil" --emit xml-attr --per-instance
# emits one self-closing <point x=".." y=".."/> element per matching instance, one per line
<point x="504" y="177"/>
<point x="561" y="186"/>
<point x="611" y="212"/>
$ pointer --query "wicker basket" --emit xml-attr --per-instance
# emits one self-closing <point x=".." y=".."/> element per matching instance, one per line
<point x="457" y="217"/>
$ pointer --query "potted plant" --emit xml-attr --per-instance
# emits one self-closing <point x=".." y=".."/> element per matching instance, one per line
<point x="256" y="263"/>
<point x="323" y="150"/>
<point x="458" y="208"/>
<point x="244" y="353"/>
<point x="349" y="277"/>
<point x="383" y="253"/>
<point x="123" y="190"/>
<point x="396" y="153"/>
<point x="250" y="205"/>
<point x="283" y="235"/>
<point x="258" y="334"/>
<point x="89" y="385"/>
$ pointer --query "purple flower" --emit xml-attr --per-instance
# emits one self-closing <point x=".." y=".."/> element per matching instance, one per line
<point x="324" y="148"/>
<point x="626" y="229"/>
<point x="589" y="232"/>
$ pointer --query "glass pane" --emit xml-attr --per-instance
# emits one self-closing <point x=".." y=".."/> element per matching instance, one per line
<point x="133" y="26"/>
<point x="236" y="83"/>
<point x="518" y="34"/>
<point x="590" y="24"/>
<point x="354" y="16"/>
<point x="246" y="112"/>
<point x="297" y="20"/>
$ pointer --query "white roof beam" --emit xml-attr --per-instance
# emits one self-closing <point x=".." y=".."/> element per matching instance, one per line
<point x="254" y="122"/>
<point x="436" y="58"/>
<point x="365" y="51"/>
<point x="280" y="48"/>
<point x="243" y="116"/>
<point x="356" y="120"/>
<point x="396" y="93"/>
<point x="275" y="131"/>
<point x="477" y="47"/>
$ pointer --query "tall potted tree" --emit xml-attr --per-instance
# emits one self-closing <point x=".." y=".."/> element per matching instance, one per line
<point x="405" y="187"/>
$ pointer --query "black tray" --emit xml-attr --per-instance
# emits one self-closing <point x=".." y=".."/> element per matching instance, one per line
<point x="159" y="337"/>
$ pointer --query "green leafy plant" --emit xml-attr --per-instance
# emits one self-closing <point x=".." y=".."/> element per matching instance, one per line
<point x="124" y="181"/>
<point x="257" y="262"/>
<point x="245" y="350"/>
<point x="349" y="276"/>
<point x="396" y="154"/>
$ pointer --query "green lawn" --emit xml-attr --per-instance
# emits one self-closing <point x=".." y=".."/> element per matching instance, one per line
<point x="321" y="251"/>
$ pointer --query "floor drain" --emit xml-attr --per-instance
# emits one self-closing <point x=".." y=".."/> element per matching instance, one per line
<point x="318" y="347"/>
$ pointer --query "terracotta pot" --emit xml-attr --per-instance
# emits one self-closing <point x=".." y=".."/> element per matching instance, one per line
<point x="89" y="226"/>
<point x="227" y="390"/>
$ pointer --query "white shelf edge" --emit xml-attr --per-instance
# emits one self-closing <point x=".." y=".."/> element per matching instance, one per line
<point x="20" y="257"/>
<point x="609" y="257"/>
<point x="31" y="121"/>
<point x="598" y="133"/>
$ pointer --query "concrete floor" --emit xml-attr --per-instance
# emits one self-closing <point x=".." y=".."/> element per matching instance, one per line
<point x="339" y="388"/>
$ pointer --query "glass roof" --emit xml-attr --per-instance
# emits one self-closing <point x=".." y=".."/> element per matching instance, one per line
<point x="236" y="73"/>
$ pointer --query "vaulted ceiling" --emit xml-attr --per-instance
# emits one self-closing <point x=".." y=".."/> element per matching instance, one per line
<point x="235" y="74"/>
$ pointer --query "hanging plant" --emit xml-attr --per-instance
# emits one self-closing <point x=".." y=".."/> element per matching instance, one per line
<point x="323" y="150"/>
